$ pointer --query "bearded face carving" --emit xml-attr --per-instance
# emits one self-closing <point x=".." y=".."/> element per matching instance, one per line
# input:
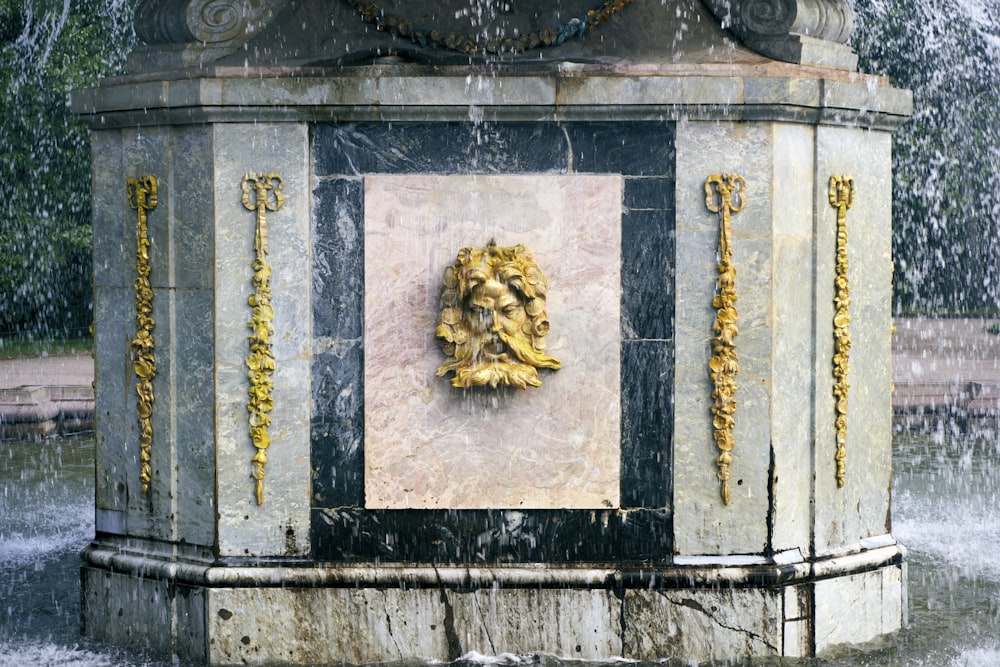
<point x="493" y="321"/>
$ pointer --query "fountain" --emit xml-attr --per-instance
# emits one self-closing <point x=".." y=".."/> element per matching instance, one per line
<point x="492" y="327"/>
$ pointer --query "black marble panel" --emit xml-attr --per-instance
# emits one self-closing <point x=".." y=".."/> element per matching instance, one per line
<point x="338" y="259"/>
<point x="338" y="426"/>
<point x="492" y="536"/>
<point x="647" y="274"/>
<point x="438" y="148"/>
<point x="631" y="149"/>
<point x="654" y="193"/>
<point x="343" y="530"/>
<point x="647" y="423"/>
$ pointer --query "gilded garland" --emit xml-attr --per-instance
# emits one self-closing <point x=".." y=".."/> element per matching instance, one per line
<point x="493" y="319"/>
<point x="470" y="45"/>
<point x="724" y="195"/>
<point x="261" y="193"/>
<point x="841" y="198"/>
<point x="142" y="199"/>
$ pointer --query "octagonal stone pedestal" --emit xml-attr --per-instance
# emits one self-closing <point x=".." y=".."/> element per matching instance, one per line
<point x="403" y="518"/>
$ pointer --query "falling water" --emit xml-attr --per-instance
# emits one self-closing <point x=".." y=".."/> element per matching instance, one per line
<point x="48" y="48"/>
<point x="947" y="186"/>
<point x="947" y="201"/>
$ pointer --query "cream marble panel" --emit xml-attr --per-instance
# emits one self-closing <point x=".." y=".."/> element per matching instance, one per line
<point x="428" y="445"/>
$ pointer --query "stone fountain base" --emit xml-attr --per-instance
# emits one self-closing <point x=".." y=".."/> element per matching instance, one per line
<point x="710" y="609"/>
<point x="282" y="476"/>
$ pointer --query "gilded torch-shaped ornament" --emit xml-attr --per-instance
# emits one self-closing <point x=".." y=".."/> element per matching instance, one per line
<point x="142" y="199"/>
<point x="261" y="193"/>
<point x="841" y="198"/>
<point x="724" y="195"/>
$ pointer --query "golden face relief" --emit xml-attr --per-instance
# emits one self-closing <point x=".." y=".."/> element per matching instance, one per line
<point x="493" y="321"/>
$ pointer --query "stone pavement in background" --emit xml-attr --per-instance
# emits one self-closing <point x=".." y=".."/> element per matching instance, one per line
<point x="54" y="370"/>
<point x="946" y="365"/>
<point x="40" y="396"/>
<point x="938" y="365"/>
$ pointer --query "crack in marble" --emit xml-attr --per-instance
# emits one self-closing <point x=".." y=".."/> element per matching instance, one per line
<point x="697" y="606"/>
<point x="486" y="626"/>
<point x="388" y="624"/>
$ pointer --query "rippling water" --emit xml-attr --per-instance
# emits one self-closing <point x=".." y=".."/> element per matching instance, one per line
<point x="946" y="510"/>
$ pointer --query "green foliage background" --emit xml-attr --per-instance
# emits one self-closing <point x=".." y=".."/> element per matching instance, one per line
<point x="47" y="49"/>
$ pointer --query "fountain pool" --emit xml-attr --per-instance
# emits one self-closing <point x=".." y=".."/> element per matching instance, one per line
<point x="946" y="487"/>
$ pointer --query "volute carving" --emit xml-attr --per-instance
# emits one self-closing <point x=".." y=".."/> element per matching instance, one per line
<point x="776" y="28"/>
<point x="830" y="20"/>
<point x="210" y="22"/>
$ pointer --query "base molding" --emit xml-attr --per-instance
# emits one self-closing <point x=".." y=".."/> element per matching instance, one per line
<point x="304" y="612"/>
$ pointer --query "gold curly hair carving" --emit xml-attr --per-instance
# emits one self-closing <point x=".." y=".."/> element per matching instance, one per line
<point x="493" y="319"/>
<point x="724" y="195"/>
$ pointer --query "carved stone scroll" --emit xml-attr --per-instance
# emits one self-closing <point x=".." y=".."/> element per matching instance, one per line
<point x="493" y="319"/>
<point x="142" y="199"/>
<point x="781" y="29"/>
<point x="209" y="22"/>
<point x="841" y="198"/>
<point x="724" y="195"/>
<point x="261" y="193"/>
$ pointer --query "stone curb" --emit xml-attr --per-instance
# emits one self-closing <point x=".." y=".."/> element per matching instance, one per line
<point x="41" y="411"/>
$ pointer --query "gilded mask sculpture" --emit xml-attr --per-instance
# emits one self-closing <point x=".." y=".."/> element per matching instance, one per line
<point x="493" y="321"/>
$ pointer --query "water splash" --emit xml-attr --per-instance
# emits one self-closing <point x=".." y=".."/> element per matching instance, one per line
<point x="49" y="48"/>
<point x="946" y="189"/>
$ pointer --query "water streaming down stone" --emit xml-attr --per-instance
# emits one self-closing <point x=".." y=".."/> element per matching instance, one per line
<point x="588" y="516"/>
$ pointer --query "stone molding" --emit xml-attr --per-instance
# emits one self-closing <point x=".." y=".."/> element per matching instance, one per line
<point x="130" y="556"/>
<point x="809" y="32"/>
<point x="390" y="94"/>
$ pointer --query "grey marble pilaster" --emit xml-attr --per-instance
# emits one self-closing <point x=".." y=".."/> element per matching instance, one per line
<point x="860" y="509"/>
<point x="792" y="374"/>
<point x="281" y="525"/>
<point x="702" y="523"/>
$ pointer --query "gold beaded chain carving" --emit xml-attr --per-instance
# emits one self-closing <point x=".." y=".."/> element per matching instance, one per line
<point x="142" y="199"/>
<point x="724" y="364"/>
<point x="841" y="198"/>
<point x="261" y="193"/>
<point x="463" y="43"/>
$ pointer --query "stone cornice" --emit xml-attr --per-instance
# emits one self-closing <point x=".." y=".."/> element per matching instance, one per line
<point x="773" y="92"/>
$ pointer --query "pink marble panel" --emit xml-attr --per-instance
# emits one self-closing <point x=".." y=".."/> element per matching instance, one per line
<point x="428" y="445"/>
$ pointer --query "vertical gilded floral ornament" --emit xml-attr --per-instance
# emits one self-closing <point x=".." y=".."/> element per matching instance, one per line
<point x="261" y="193"/>
<point x="841" y="198"/>
<point x="724" y="195"/>
<point x="142" y="199"/>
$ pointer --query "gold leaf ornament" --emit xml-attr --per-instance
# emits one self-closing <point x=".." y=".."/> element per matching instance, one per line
<point x="142" y="193"/>
<point x="261" y="193"/>
<point x="724" y="194"/>
<point x="841" y="196"/>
